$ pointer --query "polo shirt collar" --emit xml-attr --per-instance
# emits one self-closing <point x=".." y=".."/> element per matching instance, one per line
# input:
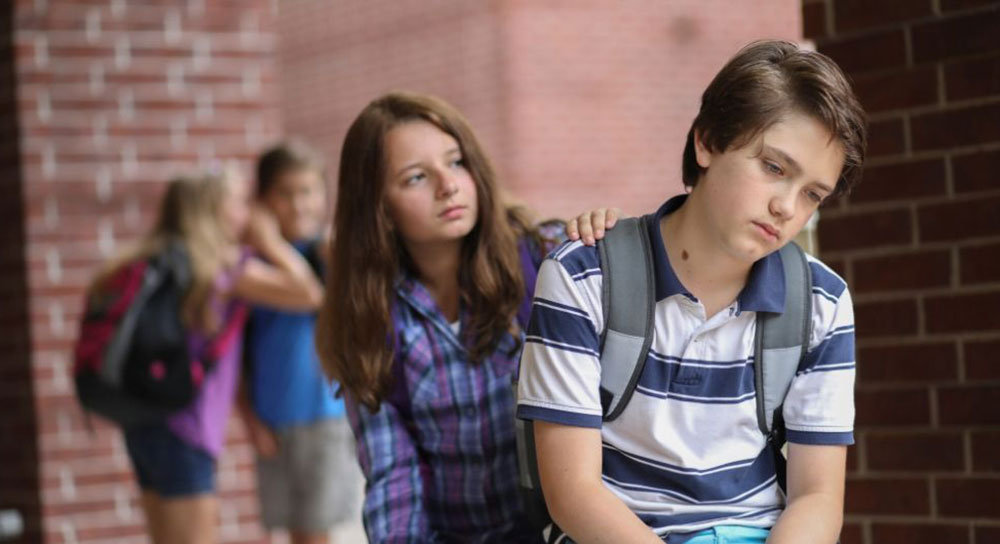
<point x="765" y="288"/>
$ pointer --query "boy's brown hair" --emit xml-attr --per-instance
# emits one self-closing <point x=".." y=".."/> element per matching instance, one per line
<point x="285" y="157"/>
<point x="763" y="82"/>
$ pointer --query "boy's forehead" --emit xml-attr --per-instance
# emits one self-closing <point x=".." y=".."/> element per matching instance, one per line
<point x="300" y="176"/>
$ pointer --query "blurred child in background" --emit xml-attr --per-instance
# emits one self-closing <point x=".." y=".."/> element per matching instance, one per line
<point x="308" y="476"/>
<point x="174" y="460"/>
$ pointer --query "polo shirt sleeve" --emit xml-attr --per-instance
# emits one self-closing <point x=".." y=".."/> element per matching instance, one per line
<point x="560" y="372"/>
<point x="819" y="407"/>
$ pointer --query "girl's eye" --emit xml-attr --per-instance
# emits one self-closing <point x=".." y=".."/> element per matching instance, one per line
<point x="415" y="178"/>
<point x="814" y="196"/>
<point x="773" y="168"/>
<point x="458" y="163"/>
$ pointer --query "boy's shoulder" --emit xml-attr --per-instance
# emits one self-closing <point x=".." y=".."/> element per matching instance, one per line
<point x="580" y="261"/>
<point x="826" y="282"/>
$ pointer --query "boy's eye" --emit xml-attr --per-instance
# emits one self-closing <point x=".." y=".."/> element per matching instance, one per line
<point x="773" y="168"/>
<point x="815" y="197"/>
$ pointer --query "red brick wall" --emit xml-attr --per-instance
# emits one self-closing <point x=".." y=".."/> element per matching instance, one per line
<point x="919" y="241"/>
<point x="113" y="97"/>
<point x="580" y="103"/>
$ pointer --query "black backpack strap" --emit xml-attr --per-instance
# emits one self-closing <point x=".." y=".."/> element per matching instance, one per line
<point x="780" y="342"/>
<point x="628" y="298"/>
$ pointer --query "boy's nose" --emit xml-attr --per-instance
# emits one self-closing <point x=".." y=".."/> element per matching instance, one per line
<point x="783" y="204"/>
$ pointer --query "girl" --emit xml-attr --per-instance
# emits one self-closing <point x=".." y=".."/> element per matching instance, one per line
<point x="421" y="325"/>
<point x="174" y="461"/>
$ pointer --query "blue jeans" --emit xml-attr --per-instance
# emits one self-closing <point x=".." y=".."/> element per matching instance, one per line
<point x="166" y="465"/>
<point x="723" y="534"/>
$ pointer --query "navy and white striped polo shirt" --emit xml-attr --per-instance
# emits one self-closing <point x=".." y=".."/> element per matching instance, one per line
<point x="686" y="454"/>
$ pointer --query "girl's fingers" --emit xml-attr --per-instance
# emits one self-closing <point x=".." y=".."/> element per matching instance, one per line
<point x="612" y="217"/>
<point x="585" y="223"/>
<point x="571" y="230"/>
<point x="598" y="222"/>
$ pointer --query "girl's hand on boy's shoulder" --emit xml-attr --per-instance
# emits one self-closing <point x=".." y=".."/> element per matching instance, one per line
<point x="589" y="226"/>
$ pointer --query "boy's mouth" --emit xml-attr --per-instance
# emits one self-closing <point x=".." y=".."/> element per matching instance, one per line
<point x="767" y="230"/>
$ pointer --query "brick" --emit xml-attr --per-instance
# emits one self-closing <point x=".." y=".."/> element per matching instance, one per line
<point x="885" y="318"/>
<point x="885" y="138"/>
<point x="897" y="90"/>
<point x="864" y="230"/>
<point x="897" y="407"/>
<point x="959" y="220"/>
<point x="953" y="37"/>
<point x="875" y="496"/>
<point x="872" y="51"/>
<point x="852" y="533"/>
<point x="851" y="15"/>
<point x="814" y="20"/>
<point x="911" y="363"/>
<point x="965" y="497"/>
<point x="985" y="451"/>
<point x="972" y="78"/>
<point x="924" y="451"/>
<point x="962" y="313"/>
<point x="953" y="5"/>
<point x="987" y="535"/>
<point x="901" y="181"/>
<point x="969" y="405"/>
<point x="979" y="264"/>
<point x="837" y="265"/>
<point x="976" y="172"/>
<point x="920" y="533"/>
<point x="920" y="269"/>
<point x="957" y="127"/>
<point x="852" y="459"/>
<point x="981" y="361"/>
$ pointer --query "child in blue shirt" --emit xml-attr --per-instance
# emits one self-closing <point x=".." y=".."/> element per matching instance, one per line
<point x="779" y="133"/>
<point x="308" y="478"/>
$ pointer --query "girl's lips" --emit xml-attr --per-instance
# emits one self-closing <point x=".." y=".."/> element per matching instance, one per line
<point x="454" y="212"/>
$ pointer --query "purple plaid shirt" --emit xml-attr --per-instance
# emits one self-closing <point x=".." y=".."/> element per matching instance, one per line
<point x="440" y="454"/>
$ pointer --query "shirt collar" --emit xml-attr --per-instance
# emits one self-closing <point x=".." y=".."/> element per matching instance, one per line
<point x="765" y="288"/>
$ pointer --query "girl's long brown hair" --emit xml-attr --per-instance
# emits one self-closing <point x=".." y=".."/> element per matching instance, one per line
<point x="354" y="333"/>
<point x="189" y="213"/>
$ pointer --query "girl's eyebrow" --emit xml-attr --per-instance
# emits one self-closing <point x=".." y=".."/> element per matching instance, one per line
<point x="413" y="164"/>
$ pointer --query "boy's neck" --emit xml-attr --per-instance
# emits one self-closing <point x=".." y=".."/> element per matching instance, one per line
<point x="437" y="267"/>
<point x="702" y="267"/>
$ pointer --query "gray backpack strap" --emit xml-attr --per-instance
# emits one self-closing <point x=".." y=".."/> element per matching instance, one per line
<point x="628" y="298"/>
<point x="782" y="340"/>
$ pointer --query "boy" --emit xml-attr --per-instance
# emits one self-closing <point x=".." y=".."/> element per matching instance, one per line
<point x="308" y="476"/>
<point x="779" y="132"/>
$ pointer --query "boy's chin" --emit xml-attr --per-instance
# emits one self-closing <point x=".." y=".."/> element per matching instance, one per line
<point x="300" y="232"/>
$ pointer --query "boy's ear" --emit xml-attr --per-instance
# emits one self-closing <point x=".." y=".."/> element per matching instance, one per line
<point x="701" y="152"/>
